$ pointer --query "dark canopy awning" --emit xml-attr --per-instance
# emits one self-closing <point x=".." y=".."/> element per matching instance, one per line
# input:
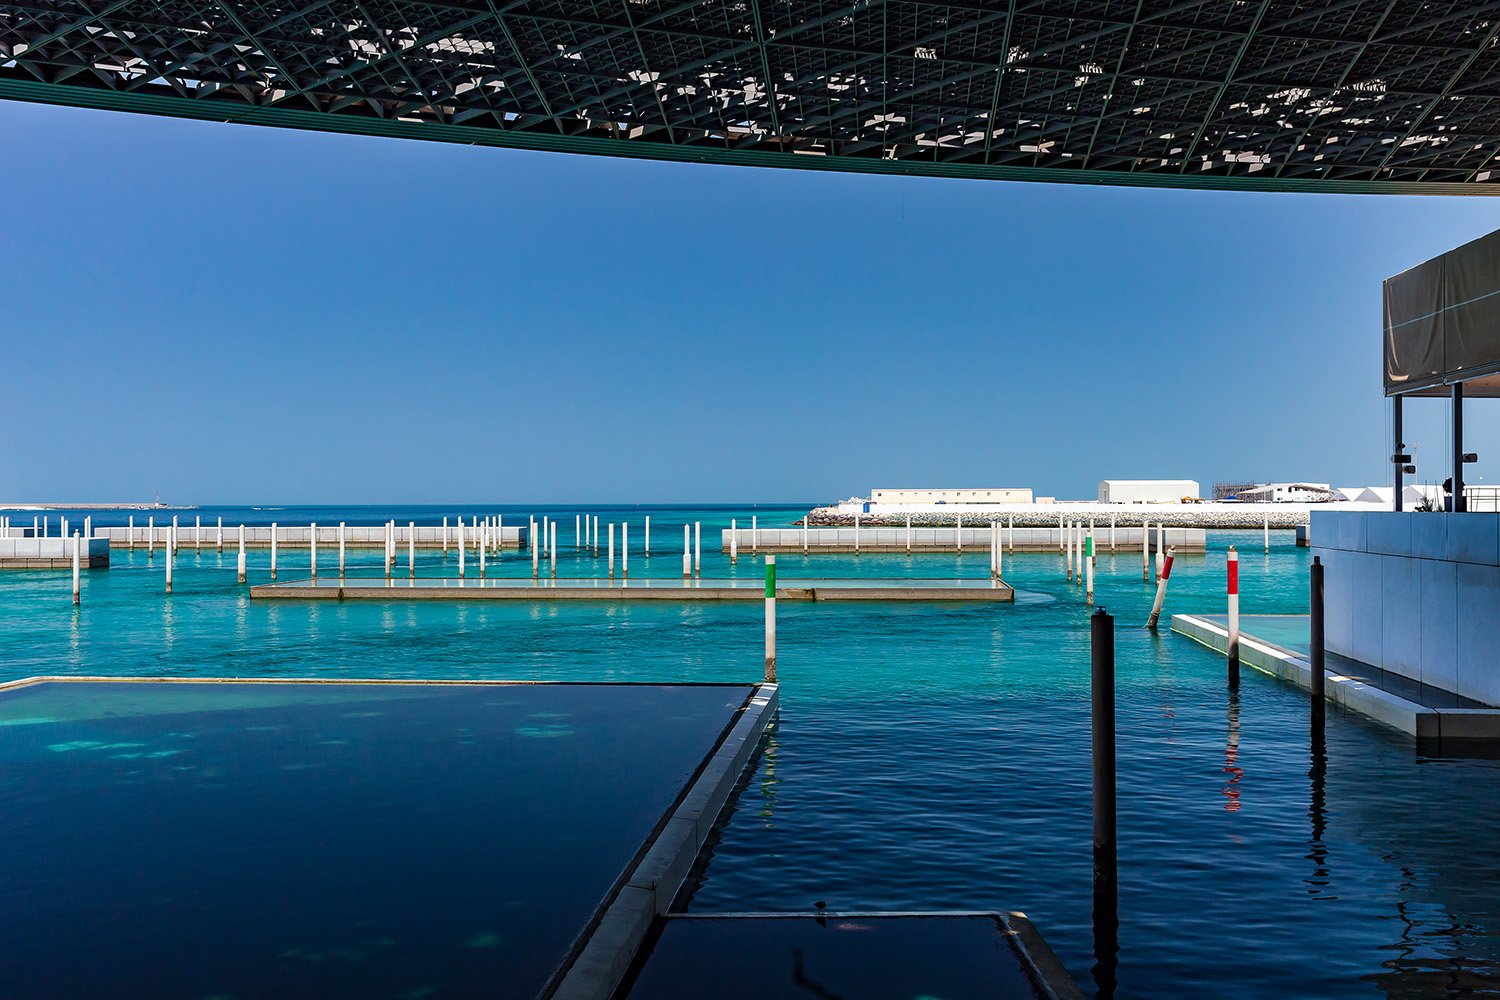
<point x="1442" y="323"/>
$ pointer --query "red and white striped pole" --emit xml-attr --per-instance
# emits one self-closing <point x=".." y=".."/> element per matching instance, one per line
<point x="1161" y="589"/>
<point x="1234" y="618"/>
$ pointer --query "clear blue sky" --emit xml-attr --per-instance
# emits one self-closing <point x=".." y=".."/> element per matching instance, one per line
<point x="232" y="314"/>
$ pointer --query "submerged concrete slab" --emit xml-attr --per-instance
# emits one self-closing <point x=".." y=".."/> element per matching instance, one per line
<point x="407" y="589"/>
<point x="961" y="955"/>
<point x="1441" y="721"/>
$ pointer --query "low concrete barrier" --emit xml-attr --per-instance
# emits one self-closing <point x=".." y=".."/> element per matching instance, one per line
<point x="52" y="553"/>
<point x="977" y="540"/>
<point x="364" y="536"/>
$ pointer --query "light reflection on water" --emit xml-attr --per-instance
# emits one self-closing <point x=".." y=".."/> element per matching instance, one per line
<point x="932" y="757"/>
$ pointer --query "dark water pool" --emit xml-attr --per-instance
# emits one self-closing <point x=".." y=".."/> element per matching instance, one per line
<point x="295" y="840"/>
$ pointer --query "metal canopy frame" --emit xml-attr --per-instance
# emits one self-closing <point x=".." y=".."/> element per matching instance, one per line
<point x="1339" y="95"/>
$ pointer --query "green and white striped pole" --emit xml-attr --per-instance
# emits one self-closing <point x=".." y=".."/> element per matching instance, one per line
<point x="1088" y="564"/>
<point x="770" y="619"/>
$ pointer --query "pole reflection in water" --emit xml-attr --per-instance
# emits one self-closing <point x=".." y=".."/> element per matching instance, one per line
<point x="1317" y="810"/>
<point x="1106" y="858"/>
<point x="1231" y="790"/>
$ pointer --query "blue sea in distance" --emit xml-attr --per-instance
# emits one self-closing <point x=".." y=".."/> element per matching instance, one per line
<point x="926" y="756"/>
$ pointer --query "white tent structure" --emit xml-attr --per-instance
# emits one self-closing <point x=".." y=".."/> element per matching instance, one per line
<point x="1368" y="494"/>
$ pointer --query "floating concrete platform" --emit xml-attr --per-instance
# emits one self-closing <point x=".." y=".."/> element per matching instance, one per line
<point x="512" y="589"/>
<point x="825" y="541"/>
<point x="354" y="838"/>
<point x="869" y="956"/>
<point x="52" y="553"/>
<point x="1441" y="721"/>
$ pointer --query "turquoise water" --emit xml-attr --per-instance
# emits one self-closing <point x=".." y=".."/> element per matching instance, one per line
<point x="316" y="840"/>
<point x="932" y="756"/>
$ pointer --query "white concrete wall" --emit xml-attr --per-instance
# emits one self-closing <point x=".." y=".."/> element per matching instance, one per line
<point x="51" y="547"/>
<point x="1004" y="495"/>
<point x="974" y="540"/>
<point x="1415" y="593"/>
<point x="1146" y="490"/>
<point x="364" y="536"/>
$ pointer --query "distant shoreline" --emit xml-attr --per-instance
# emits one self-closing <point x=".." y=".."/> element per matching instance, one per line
<point x="98" y="506"/>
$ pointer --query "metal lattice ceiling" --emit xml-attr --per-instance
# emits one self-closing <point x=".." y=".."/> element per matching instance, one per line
<point x="1351" y="95"/>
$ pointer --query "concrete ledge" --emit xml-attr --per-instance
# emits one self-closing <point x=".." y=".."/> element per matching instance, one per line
<point x="1437" y="726"/>
<point x="654" y="880"/>
<point x="657" y="590"/>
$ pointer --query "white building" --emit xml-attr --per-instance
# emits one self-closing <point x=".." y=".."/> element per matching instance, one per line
<point x="1290" y="493"/>
<point x="1147" y="490"/>
<point x="1012" y="495"/>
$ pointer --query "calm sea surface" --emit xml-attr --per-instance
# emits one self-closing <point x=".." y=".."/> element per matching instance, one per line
<point x="925" y="756"/>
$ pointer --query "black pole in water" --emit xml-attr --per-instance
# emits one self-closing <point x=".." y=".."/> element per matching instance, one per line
<point x="1106" y="869"/>
<point x="1316" y="655"/>
<point x="1102" y="642"/>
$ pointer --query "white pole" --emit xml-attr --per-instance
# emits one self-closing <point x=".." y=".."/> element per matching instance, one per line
<point x="687" y="551"/>
<point x="221" y="534"/>
<point x="596" y="534"/>
<point x="1161" y="535"/>
<point x="611" y="550"/>
<point x="499" y="535"/>
<point x="958" y="532"/>
<point x="856" y="532"/>
<point x="648" y="536"/>
<point x="483" y="543"/>
<point x="411" y="548"/>
<point x="1068" y="546"/>
<point x="197" y="532"/>
<point x="1111" y="534"/>
<point x="994" y="533"/>
<point x="445" y="538"/>
<point x="130" y="533"/>
<point x="552" y="550"/>
<point x="999" y="559"/>
<point x="1011" y="532"/>
<point x="460" y="529"/>
<point x="536" y="552"/>
<point x="150" y="537"/>
<point x="88" y="526"/>
<point x="390" y="553"/>
<point x="1145" y="552"/>
<point x="172" y="541"/>
<point x="770" y="619"/>
<point x="908" y="532"/>
<point x="734" y="547"/>
<point x="341" y="549"/>
<point x="273" y="550"/>
<point x="76" y="545"/>
<point x="240" y="565"/>
<point x="697" y="548"/>
<point x="1268" y="533"/>
<point x="167" y="557"/>
<point x="312" y="548"/>
<point x="805" y="519"/>
<point x="545" y="532"/>
<point x="577" y="532"/>
<point x="754" y="533"/>
<point x="625" y="549"/>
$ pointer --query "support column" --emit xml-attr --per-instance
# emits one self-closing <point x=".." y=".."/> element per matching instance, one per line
<point x="1398" y="457"/>
<point x="1458" y="448"/>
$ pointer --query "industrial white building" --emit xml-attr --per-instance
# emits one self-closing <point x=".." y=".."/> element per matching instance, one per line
<point x="1011" y="495"/>
<point x="1290" y="493"/>
<point x="1147" y="490"/>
